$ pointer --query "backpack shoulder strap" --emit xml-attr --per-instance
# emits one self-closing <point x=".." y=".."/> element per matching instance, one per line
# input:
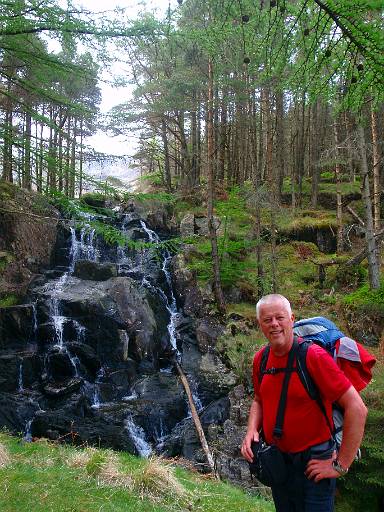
<point x="307" y="381"/>
<point x="302" y="369"/>
<point x="263" y="362"/>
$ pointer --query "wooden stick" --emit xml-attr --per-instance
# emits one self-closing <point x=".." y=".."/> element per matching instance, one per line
<point x="196" y="420"/>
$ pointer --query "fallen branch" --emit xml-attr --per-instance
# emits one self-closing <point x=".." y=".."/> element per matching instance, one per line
<point x="196" y="420"/>
<point x="355" y="215"/>
<point x="360" y="256"/>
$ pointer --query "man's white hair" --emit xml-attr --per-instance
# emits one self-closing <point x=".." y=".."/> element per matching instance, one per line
<point x="273" y="297"/>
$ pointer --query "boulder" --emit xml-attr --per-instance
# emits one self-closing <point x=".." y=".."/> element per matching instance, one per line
<point x="207" y="332"/>
<point x="16" y="326"/>
<point x="104" y="308"/>
<point x="214" y="378"/>
<point x="91" y="270"/>
<point x="201" y="224"/>
<point x="187" y="225"/>
<point x="192" y="299"/>
<point x="16" y="411"/>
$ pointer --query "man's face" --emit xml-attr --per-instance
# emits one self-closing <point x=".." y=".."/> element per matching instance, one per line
<point x="276" y="324"/>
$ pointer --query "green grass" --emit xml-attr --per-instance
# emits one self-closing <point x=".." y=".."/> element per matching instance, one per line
<point x="43" y="477"/>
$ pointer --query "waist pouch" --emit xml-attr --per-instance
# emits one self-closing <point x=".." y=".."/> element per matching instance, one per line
<point x="274" y="468"/>
<point x="268" y="466"/>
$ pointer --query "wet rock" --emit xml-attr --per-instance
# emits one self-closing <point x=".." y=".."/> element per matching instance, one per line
<point x="91" y="270"/>
<point x="214" y="378"/>
<point x="86" y="355"/>
<point x="61" y="389"/>
<point x="16" y="326"/>
<point x="16" y="410"/>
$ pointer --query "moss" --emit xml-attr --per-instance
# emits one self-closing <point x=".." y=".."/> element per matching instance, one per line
<point x="8" y="300"/>
<point x="365" y="296"/>
<point x="289" y="221"/>
<point x="93" y="199"/>
<point x="5" y="259"/>
<point x="7" y="190"/>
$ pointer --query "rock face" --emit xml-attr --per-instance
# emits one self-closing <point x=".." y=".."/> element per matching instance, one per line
<point x="28" y="231"/>
<point x="90" y="357"/>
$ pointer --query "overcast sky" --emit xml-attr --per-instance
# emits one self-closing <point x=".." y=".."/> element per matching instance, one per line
<point x="111" y="95"/>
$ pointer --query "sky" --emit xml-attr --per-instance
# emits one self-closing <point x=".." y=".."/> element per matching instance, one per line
<point x="112" y="96"/>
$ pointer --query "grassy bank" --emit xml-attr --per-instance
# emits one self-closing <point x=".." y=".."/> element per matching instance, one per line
<point x="43" y="476"/>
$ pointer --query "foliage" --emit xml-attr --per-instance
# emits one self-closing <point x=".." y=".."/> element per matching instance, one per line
<point x="365" y="296"/>
<point x="238" y="351"/>
<point x="234" y="264"/>
<point x="44" y="476"/>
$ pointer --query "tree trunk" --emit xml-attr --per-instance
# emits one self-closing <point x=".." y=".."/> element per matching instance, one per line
<point x="27" y="178"/>
<point x="314" y="154"/>
<point x="373" y="256"/>
<point x="376" y="172"/>
<point x="167" y="169"/>
<point x="339" y="207"/>
<point x="219" y="296"/>
<point x="280" y="144"/>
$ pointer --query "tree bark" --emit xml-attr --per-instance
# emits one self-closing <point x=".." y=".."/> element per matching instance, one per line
<point x="376" y="171"/>
<point x="339" y="206"/>
<point x="219" y="296"/>
<point x="372" y="252"/>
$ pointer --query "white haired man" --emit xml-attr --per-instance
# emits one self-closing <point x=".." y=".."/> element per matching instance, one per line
<point x="306" y="442"/>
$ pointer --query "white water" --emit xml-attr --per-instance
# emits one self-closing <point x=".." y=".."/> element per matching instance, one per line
<point x="137" y="435"/>
<point x="96" y="399"/>
<point x="20" y="380"/>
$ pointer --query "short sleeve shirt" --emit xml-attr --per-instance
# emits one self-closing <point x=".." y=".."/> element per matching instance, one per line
<point x="304" y="422"/>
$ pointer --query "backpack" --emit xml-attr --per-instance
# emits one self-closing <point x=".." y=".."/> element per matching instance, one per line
<point x="349" y="355"/>
<point x="355" y="361"/>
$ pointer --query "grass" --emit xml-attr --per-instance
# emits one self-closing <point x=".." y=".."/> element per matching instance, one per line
<point x="43" y="477"/>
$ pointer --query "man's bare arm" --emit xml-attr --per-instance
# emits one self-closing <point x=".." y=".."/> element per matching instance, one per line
<point x="355" y="414"/>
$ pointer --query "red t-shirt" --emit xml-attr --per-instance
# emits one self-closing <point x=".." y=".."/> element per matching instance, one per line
<point x="304" y="423"/>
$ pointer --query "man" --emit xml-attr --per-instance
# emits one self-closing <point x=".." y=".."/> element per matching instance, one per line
<point x="311" y="485"/>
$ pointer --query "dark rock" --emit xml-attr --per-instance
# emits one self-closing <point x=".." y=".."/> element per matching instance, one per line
<point x="59" y="364"/>
<point x="91" y="270"/>
<point x="9" y="372"/>
<point x="208" y="331"/>
<point x="16" y="410"/>
<point x="86" y="355"/>
<point x="63" y="388"/>
<point x="16" y="326"/>
<point x="215" y="379"/>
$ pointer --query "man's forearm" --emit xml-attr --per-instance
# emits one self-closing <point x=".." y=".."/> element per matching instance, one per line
<point x="355" y="414"/>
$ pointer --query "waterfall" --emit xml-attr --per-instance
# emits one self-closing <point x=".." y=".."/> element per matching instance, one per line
<point x="84" y="247"/>
<point x="137" y="435"/>
<point x="169" y="303"/>
<point x="20" y="380"/>
<point x="96" y="400"/>
<point x="55" y="309"/>
<point x="27" y="434"/>
<point x="103" y="332"/>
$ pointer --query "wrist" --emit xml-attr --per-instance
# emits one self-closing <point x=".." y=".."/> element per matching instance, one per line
<point x="339" y="467"/>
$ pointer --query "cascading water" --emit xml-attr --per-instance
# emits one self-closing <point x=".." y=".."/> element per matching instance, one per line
<point x="20" y="380"/>
<point x="118" y="385"/>
<point x="137" y="435"/>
